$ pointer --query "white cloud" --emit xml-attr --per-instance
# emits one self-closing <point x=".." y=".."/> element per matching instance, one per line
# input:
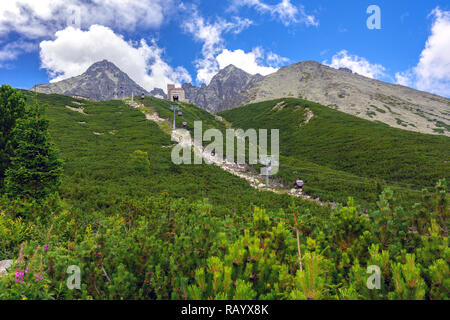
<point x="357" y="64"/>
<point x="36" y="19"/>
<point x="210" y="34"/>
<point x="432" y="73"/>
<point x="275" y="60"/>
<point x="285" y="11"/>
<point x="74" y="50"/>
<point x="404" y="78"/>
<point x="216" y="57"/>
<point x="252" y="62"/>
<point x="433" y="70"/>
<point x="13" y="49"/>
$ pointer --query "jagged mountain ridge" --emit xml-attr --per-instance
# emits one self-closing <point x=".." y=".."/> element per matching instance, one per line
<point x="341" y="89"/>
<point x="395" y="105"/>
<point x="158" y="93"/>
<point x="101" y="81"/>
<point x="224" y="91"/>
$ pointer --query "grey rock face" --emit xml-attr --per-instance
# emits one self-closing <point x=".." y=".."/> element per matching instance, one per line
<point x="370" y="99"/>
<point x="158" y="93"/>
<point x="4" y="266"/>
<point x="224" y="91"/>
<point x="102" y="81"/>
<point x="346" y="70"/>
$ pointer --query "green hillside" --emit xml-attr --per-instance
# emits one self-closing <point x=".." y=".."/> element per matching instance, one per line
<point x="139" y="227"/>
<point x="190" y="113"/>
<point x="98" y="148"/>
<point x="335" y="151"/>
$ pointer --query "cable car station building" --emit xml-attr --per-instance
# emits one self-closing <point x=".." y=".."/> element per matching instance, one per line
<point x="175" y="94"/>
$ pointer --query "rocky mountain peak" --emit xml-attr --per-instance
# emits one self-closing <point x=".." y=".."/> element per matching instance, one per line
<point x="310" y="63"/>
<point x="233" y="71"/>
<point x="102" y="66"/>
<point x="224" y="90"/>
<point x="229" y="68"/>
<point x="102" y="81"/>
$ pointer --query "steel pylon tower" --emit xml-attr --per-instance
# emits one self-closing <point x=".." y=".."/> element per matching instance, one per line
<point x="175" y="108"/>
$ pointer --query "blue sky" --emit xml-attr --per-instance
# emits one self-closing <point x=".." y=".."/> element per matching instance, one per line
<point x="162" y="41"/>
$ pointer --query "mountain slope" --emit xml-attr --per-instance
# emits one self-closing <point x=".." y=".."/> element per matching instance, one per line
<point x="101" y="81"/>
<point x="142" y="228"/>
<point x="395" y="105"/>
<point x="338" y="155"/>
<point x="315" y="139"/>
<point x="99" y="144"/>
<point x="224" y="90"/>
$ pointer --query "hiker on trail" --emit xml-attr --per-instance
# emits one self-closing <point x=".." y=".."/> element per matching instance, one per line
<point x="298" y="184"/>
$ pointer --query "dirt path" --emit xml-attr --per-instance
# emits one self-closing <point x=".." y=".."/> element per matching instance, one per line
<point x="151" y="115"/>
<point x="80" y="110"/>
<point x="243" y="171"/>
<point x="309" y="116"/>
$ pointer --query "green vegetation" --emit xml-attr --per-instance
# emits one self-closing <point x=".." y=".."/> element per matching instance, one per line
<point x="30" y="165"/>
<point x="442" y="125"/>
<point x="371" y="114"/>
<point x="401" y="122"/>
<point x="163" y="248"/>
<point x="34" y="169"/>
<point x="139" y="227"/>
<point x="190" y="112"/>
<point x="380" y="110"/>
<point x="12" y="108"/>
<point x="99" y="170"/>
<point x="339" y="153"/>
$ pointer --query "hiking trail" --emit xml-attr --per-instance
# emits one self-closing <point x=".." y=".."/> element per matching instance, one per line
<point x="243" y="171"/>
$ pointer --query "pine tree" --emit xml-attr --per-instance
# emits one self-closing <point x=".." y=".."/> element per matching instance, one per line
<point x="35" y="169"/>
<point x="12" y="107"/>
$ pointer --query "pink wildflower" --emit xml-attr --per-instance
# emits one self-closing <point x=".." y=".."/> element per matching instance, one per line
<point x="19" y="277"/>
<point x="38" y="277"/>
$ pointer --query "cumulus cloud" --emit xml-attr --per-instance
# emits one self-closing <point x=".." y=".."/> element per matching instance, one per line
<point x="211" y="35"/>
<point x="432" y="73"/>
<point x="285" y="11"/>
<point x="433" y="70"/>
<point x="74" y="50"/>
<point x="253" y="62"/>
<point x="357" y="64"/>
<point x="36" y="19"/>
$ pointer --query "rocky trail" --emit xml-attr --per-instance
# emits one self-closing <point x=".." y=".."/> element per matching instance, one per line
<point x="243" y="171"/>
<point x="79" y="110"/>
